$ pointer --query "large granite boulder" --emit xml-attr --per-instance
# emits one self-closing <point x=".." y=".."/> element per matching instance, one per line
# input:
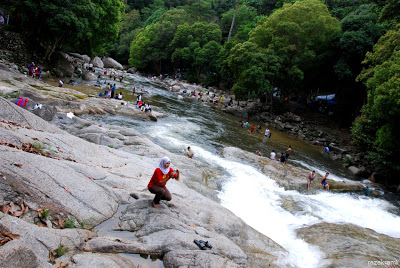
<point x="348" y="245"/>
<point x="62" y="66"/>
<point x="97" y="62"/>
<point x="89" y="76"/>
<point x="111" y="63"/>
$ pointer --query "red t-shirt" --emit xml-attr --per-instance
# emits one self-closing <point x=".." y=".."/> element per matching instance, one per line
<point x="158" y="176"/>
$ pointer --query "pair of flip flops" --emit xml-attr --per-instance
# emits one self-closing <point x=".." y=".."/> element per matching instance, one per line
<point x="203" y="245"/>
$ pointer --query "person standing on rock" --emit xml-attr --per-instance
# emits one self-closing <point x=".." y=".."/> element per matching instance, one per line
<point x="288" y="151"/>
<point x="310" y="180"/>
<point x="161" y="176"/>
<point x="323" y="181"/>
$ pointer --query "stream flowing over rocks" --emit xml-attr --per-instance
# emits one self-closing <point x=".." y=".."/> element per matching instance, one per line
<point x="88" y="174"/>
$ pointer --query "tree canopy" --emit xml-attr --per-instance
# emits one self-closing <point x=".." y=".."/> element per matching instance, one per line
<point x="377" y="128"/>
<point x="83" y="25"/>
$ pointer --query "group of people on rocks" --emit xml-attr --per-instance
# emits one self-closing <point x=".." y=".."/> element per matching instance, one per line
<point x="323" y="181"/>
<point x="140" y="104"/>
<point x="109" y="92"/>
<point x="34" y="71"/>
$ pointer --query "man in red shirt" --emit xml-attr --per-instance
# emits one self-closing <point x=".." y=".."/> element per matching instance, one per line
<point x="161" y="176"/>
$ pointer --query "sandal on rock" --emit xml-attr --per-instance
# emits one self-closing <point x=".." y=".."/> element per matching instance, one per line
<point x="206" y="243"/>
<point x="200" y="244"/>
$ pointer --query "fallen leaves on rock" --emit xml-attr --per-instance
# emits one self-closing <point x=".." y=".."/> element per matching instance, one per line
<point x="59" y="264"/>
<point x="26" y="147"/>
<point x="18" y="165"/>
<point x="90" y="177"/>
<point x="116" y="187"/>
<point x="16" y="210"/>
<point x="193" y="225"/>
<point x="70" y="159"/>
<point x="68" y="190"/>
<point x="7" y="237"/>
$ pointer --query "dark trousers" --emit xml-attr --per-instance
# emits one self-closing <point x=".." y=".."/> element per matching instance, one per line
<point x="161" y="193"/>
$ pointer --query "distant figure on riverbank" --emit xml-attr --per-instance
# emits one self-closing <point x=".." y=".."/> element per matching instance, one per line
<point x="310" y="180"/>
<point x="267" y="133"/>
<point x="31" y="68"/>
<point x="258" y="153"/>
<point x="189" y="153"/>
<point x="258" y="128"/>
<point x="323" y="181"/>
<point x="282" y="158"/>
<point x="288" y="151"/>
<point x="139" y="98"/>
<point x="161" y="176"/>
<point x="60" y="83"/>
<point x="119" y="97"/>
<point x="326" y="149"/>
<point x="252" y="129"/>
<point x="366" y="190"/>
<point x="273" y="155"/>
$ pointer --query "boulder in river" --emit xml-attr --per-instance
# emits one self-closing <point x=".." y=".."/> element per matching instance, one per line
<point x="111" y="63"/>
<point x="97" y="62"/>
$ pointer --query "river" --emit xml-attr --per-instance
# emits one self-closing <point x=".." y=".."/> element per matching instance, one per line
<point x="245" y="190"/>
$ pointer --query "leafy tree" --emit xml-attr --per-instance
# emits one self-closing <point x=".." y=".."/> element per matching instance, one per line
<point x="128" y="27"/>
<point x="263" y="7"/>
<point x="254" y="69"/>
<point x="299" y="34"/>
<point x="205" y="57"/>
<point x="199" y="11"/>
<point x="149" y="49"/>
<point x="138" y="4"/>
<point x="390" y="14"/>
<point x="153" y="12"/>
<point x="244" y="16"/>
<point x="377" y="129"/>
<point x="222" y="6"/>
<point x="189" y="38"/>
<point x="83" y="25"/>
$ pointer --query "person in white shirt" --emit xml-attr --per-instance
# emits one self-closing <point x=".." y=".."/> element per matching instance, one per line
<point x="273" y="155"/>
<point x="266" y="132"/>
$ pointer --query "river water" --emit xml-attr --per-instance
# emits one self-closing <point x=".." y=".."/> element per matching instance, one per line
<point x="263" y="204"/>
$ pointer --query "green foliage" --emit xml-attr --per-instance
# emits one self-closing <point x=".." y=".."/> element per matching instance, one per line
<point x="390" y="14"/>
<point x="11" y="95"/>
<point x="199" y="11"/>
<point x="153" y="12"/>
<point x="83" y="25"/>
<point x="69" y="224"/>
<point x="377" y="128"/>
<point x="61" y="250"/>
<point x="196" y="46"/>
<point x="244" y="16"/>
<point x="254" y="69"/>
<point x="263" y="7"/>
<point x="299" y="34"/>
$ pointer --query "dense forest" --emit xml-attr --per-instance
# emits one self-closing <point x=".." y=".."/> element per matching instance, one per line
<point x="303" y="47"/>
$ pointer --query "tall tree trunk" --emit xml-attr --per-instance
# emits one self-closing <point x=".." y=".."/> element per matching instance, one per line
<point x="233" y="20"/>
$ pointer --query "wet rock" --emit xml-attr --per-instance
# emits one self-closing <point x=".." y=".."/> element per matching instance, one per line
<point x="45" y="112"/>
<point x="279" y="125"/>
<point x="111" y="63"/>
<point x="132" y="70"/>
<point x="347" y="245"/>
<point x="62" y="66"/>
<point x="357" y="171"/>
<point x="97" y="62"/>
<point x="89" y="76"/>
